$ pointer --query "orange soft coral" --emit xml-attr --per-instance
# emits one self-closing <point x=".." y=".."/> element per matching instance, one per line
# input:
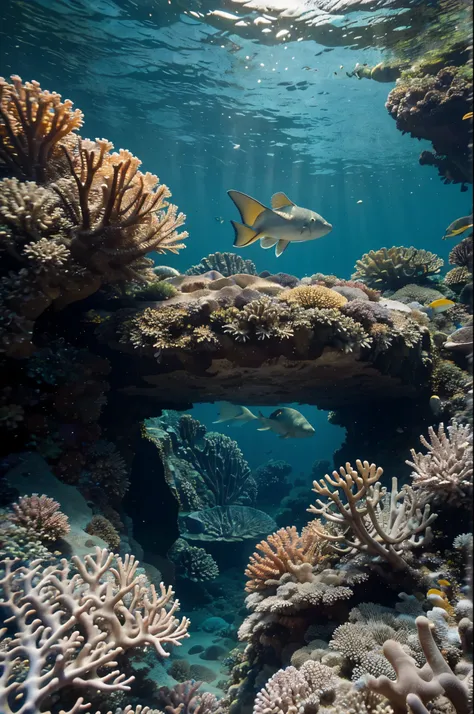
<point x="32" y="122"/>
<point x="282" y="552"/>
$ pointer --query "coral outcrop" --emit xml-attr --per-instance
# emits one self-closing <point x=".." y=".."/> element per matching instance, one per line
<point x="226" y="264"/>
<point x="193" y="563"/>
<point x="226" y="523"/>
<point x="432" y="108"/>
<point x="88" y="219"/>
<point x="40" y="516"/>
<point x="391" y="268"/>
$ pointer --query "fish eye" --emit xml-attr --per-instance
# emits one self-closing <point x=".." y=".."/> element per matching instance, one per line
<point x="313" y="220"/>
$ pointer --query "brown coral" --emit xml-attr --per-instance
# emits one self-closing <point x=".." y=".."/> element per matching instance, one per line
<point x="457" y="277"/>
<point x="41" y="516"/>
<point x="462" y="254"/>
<point x="282" y="552"/>
<point x="309" y="296"/>
<point x="391" y="268"/>
<point x="103" y="528"/>
<point x="32" y="122"/>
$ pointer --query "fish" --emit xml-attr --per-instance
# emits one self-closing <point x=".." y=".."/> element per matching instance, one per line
<point x="467" y="116"/>
<point x="288" y="423"/>
<point x="458" y="226"/>
<point x="236" y="414"/>
<point x="278" y="226"/>
<point x="440" y="305"/>
<point x="436" y="405"/>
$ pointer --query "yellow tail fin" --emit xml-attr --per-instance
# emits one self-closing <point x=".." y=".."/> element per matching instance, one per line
<point x="243" y="235"/>
<point x="249" y="208"/>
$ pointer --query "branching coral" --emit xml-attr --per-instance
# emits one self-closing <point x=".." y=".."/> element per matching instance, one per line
<point x="292" y="690"/>
<point x="445" y="472"/>
<point x="414" y="685"/>
<point x="282" y="552"/>
<point x="32" y="123"/>
<point x="308" y="296"/>
<point x="224" y="263"/>
<point x="193" y="563"/>
<point x="70" y="628"/>
<point x="391" y="268"/>
<point x="372" y="521"/>
<point x="41" y="516"/>
<point x="432" y="107"/>
<point x="227" y="523"/>
<point x="185" y="698"/>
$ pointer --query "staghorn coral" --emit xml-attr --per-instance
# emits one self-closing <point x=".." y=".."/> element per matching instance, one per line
<point x="444" y="473"/>
<point x="193" y="563"/>
<point x="282" y="552"/>
<point x="226" y="264"/>
<point x="119" y="213"/>
<point x="102" y="527"/>
<point x="308" y="296"/>
<point x="33" y="121"/>
<point x="391" y="268"/>
<point x="372" y="520"/>
<point x="226" y="523"/>
<point x="40" y="516"/>
<point x="71" y="627"/>
<point x="185" y="698"/>
<point x="432" y="107"/>
<point x="414" y="686"/>
<point x="462" y="254"/>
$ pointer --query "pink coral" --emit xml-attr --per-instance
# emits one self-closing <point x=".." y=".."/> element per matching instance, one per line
<point x="41" y="516"/>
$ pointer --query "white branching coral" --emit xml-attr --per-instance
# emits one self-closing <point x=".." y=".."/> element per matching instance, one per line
<point x="29" y="208"/>
<point x="67" y="628"/>
<point x="372" y="521"/>
<point x="46" y="254"/>
<point x="445" y="471"/>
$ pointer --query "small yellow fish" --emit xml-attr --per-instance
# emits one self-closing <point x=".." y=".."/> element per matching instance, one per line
<point x="444" y="583"/>
<point x="441" y="305"/>
<point x="435" y="405"/>
<point x="467" y="116"/>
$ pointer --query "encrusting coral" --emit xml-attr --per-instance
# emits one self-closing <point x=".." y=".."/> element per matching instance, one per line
<point x="87" y="220"/>
<point x="372" y="520"/>
<point x="391" y="268"/>
<point x="445" y="472"/>
<point x="41" y="517"/>
<point x="68" y="629"/>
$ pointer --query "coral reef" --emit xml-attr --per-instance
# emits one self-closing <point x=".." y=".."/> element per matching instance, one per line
<point x="185" y="698"/>
<point x="372" y="521"/>
<point x="102" y="527"/>
<point x="40" y="516"/>
<point x="81" y="623"/>
<point x="87" y="220"/>
<point x="193" y="563"/>
<point x="271" y="480"/>
<point x="224" y="263"/>
<point x="445" y="472"/>
<point x="391" y="268"/>
<point x="432" y="107"/>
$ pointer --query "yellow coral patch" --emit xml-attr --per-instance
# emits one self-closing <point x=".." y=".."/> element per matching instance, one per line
<point x="309" y="296"/>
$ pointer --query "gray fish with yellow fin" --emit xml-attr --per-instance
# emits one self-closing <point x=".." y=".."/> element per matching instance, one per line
<point x="457" y="227"/>
<point x="288" y="423"/>
<point x="278" y="226"/>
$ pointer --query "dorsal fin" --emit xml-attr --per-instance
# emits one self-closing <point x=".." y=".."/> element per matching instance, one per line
<point x="281" y="200"/>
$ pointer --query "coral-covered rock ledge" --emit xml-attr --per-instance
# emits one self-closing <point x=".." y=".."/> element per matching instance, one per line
<point x="332" y="381"/>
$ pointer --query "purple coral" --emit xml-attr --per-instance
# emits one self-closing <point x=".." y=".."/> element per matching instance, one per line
<point x="366" y="312"/>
